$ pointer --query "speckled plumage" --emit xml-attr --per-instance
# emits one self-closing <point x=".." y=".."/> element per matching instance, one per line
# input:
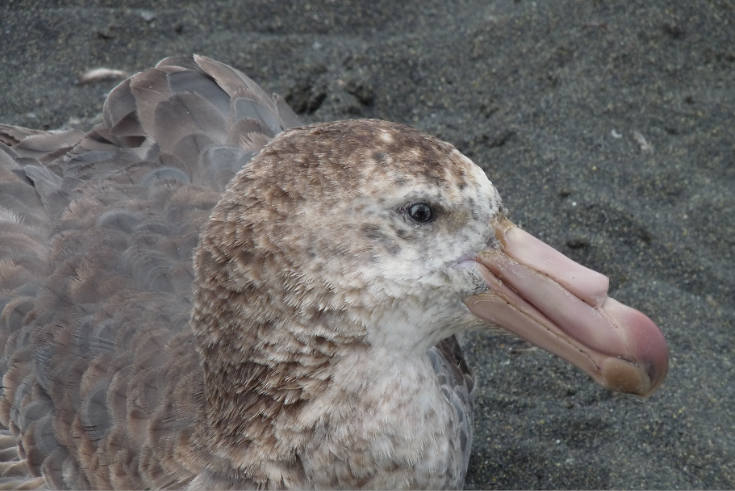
<point x="103" y="383"/>
<point x="309" y="212"/>
<point x="200" y="293"/>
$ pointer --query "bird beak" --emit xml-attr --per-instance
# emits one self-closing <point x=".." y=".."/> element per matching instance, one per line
<point x="546" y="298"/>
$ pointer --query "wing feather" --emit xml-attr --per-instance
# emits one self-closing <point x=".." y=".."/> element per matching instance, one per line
<point x="98" y="231"/>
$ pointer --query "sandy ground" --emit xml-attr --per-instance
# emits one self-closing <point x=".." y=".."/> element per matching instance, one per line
<point x="606" y="126"/>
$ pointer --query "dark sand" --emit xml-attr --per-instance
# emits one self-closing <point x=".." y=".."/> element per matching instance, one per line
<point x="546" y="96"/>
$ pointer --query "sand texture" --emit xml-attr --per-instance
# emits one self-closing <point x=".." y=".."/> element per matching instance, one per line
<point x="608" y="128"/>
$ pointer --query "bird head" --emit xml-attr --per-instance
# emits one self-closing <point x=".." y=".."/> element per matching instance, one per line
<point x="372" y="232"/>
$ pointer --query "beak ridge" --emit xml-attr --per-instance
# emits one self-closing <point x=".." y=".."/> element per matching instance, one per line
<point x="546" y="298"/>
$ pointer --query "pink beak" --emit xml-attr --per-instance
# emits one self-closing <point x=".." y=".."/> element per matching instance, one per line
<point x="546" y="298"/>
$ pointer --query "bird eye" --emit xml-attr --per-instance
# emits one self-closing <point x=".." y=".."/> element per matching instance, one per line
<point x="421" y="212"/>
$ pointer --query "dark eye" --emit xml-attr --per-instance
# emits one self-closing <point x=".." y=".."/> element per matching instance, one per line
<point x="421" y="212"/>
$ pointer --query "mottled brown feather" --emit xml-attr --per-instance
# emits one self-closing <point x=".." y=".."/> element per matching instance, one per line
<point x="118" y="371"/>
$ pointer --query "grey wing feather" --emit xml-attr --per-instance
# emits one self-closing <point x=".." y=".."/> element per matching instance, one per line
<point x="458" y="384"/>
<point x="97" y="232"/>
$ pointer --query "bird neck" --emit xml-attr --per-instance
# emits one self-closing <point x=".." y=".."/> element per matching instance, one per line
<point x="278" y="407"/>
<point x="260" y="382"/>
<point x="263" y="363"/>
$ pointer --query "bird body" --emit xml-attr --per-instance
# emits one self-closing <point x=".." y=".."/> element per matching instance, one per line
<point x="201" y="292"/>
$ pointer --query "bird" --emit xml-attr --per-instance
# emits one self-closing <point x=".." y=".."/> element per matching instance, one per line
<point x="202" y="292"/>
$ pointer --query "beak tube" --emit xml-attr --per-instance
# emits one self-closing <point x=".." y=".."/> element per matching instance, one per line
<point x="546" y="298"/>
